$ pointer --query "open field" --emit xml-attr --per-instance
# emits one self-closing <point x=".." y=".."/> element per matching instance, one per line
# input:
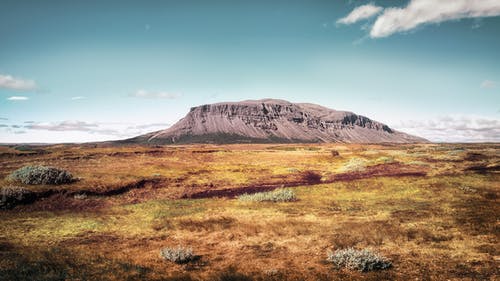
<point x="431" y="209"/>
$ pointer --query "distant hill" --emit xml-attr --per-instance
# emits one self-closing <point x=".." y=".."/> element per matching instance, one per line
<point x="273" y="121"/>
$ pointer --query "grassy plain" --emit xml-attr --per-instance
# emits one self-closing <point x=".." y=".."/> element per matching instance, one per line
<point x="432" y="209"/>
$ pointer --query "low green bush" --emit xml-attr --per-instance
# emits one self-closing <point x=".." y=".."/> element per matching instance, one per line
<point x="178" y="255"/>
<point x="362" y="260"/>
<point x="354" y="165"/>
<point x="278" y="195"/>
<point x="10" y="196"/>
<point x="41" y="175"/>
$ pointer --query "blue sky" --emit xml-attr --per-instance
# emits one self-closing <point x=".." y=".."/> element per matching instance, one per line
<point x="73" y="71"/>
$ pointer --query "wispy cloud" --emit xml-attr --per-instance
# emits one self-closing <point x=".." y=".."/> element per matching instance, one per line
<point x="115" y="130"/>
<point x="420" y="12"/>
<point x="488" y="84"/>
<point x="360" y="13"/>
<point x="78" y="98"/>
<point x="149" y="126"/>
<point x="154" y="95"/>
<point x="454" y="128"/>
<point x="13" y="83"/>
<point x="64" y="126"/>
<point x="17" y="98"/>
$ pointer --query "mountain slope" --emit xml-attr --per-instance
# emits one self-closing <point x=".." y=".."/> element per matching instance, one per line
<point x="272" y="120"/>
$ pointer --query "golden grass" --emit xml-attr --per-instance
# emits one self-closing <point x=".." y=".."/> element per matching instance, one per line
<point x="436" y="227"/>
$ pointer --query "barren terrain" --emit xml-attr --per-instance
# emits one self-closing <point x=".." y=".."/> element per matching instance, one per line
<point x="432" y="209"/>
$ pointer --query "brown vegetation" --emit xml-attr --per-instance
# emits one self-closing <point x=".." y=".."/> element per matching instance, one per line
<point x="432" y="210"/>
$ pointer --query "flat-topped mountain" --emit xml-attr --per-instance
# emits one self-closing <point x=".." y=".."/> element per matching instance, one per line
<point x="276" y="121"/>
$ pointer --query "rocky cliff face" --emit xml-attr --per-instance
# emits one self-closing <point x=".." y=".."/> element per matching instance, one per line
<point x="274" y="121"/>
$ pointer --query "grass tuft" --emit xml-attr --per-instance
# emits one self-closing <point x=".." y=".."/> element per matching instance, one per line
<point x="354" y="164"/>
<point x="10" y="196"/>
<point x="178" y="255"/>
<point x="34" y="175"/>
<point x="278" y="195"/>
<point x="362" y="260"/>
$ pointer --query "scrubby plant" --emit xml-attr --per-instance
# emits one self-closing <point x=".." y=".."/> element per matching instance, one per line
<point x="385" y="160"/>
<point x="81" y="196"/>
<point x="178" y="255"/>
<point x="467" y="189"/>
<point x="335" y="153"/>
<point x="362" y="260"/>
<point x="278" y="195"/>
<point x="311" y="177"/>
<point x="41" y="175"/>
<point x="10" y="196"/>
<point x="354" y="165"/>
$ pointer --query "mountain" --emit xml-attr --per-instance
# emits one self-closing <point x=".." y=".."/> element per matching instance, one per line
<point x="273" y="121"/>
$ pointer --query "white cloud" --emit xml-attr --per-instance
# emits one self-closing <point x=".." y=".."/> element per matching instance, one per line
<point x="17" y="98"/>
<point x="76" y="131"/>
<point x="360" y="13"/>
<point x="78" y="98"/>
<point x="454" y="128"/>
<point x="488" y="84"/>
<point x="13" y="83"/>
<point x="154" y="95"/>
<point x="64" y="126"/>
<point x="419" y="12"/>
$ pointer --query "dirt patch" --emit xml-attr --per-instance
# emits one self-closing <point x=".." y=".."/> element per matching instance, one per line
<point x="64" y="202"/>
<point x="472" y="156"/>
<point x="232" y="192"/>
<point x="85" y="199"/>
<point x="120" y="189"/>
<point x="483" y="169"/>
<point x="382" y="170"/>
<point x="208" y="151"/>
<point x="312" y="178"/>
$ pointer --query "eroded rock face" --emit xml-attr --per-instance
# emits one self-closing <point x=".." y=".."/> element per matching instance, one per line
<point x="274" y="121"/>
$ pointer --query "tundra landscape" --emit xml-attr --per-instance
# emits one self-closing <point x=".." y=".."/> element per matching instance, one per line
<point x="429" y="210"/>
<point x="239" y="140"/>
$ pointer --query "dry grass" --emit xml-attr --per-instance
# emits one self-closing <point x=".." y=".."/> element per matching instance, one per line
<point x="431" y="209"/>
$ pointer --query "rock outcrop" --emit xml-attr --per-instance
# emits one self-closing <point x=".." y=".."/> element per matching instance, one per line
<point x="274" y="121"/>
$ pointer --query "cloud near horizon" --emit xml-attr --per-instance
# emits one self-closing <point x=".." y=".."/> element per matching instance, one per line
<point x="420" y="12"/>
<point x="454" y="128"/>
<point x="488" y="84"/>
<point x="81" y="131"/>
<point x="141" y="93"/>
<point x="17" y="98"/>
<point x="64" y="126"/>
<point x="13" y="83"/>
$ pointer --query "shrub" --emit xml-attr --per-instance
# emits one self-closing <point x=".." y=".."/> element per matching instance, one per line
<point x="362" y="260"/>
<point x="10" y="196"/>
<point x="178" y="255"/>
<point x="311" y="177"/>
<point x="278" y="195"/>
<point x="41" y="175"/>
<point x="81" y="196"/>
<point x="335" y="153"/>
<point x="354" y="165"/>
<point x="385" y="160"/>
